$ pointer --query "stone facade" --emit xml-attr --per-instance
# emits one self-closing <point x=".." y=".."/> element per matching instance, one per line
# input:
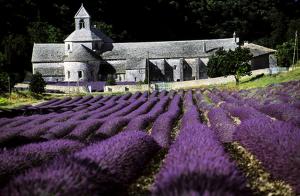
<point x="89" y="55"/>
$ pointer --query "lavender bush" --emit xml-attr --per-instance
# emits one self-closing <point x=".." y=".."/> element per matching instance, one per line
<point x="211" y="173"/>
<point x="222" y="124"/>
<point x="14" y="161"/>
<point x="276" y="144"/>
<point x="283" y="111"/>
<point x="121" y="158"/>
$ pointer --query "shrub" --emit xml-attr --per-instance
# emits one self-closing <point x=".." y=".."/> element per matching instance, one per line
<point x="37" y="83"/>
<point x="284" y="54"/>
<point x="111" y="80"/>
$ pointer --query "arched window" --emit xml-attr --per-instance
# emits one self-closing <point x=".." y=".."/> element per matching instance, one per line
<point x="81" y="24"/>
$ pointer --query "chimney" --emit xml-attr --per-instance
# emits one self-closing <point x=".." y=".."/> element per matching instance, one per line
<point x="234" y="36"/>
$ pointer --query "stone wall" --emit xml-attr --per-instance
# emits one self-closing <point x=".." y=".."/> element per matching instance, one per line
<point x="55" y="88"/>
<point x="129" y="88"/>
<point x="135" y="75"/>
<point x="177" y="65"/>
<point x="89" y="71"/>
<point x="52" y="72"/>
<point x="179" y="85"/>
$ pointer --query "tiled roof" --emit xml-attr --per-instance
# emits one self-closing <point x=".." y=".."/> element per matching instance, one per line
<point x="82" y="54"/>
<point x="168" y="49"/>
<point x="84" y="34"/>
<point x="48" y="53"/>
<point x="258" y="50"/>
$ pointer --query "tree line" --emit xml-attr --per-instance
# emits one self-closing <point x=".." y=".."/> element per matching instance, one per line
<point x="23" y="22"/>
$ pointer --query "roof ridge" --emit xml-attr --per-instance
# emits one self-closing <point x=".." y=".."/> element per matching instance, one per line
<point x="203" y="40"/>
<point x="82" y="13"/>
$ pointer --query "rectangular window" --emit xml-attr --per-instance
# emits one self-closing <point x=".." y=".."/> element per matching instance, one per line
<point x="79" y="74"/>
<point x="69" y="75"/>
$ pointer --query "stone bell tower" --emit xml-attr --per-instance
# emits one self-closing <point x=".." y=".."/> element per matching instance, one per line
<point x="82" y="19"/>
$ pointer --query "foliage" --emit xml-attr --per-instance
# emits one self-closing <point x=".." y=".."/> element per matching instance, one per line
<point x="4" y="77"/>
<point x="42" y="32"/>
<point x="215" y="64"/>
<point x="111" y="80"/>
<point x="284" y="54"/>
<point x="37" y="84"/>
<point x="230" y="63"/>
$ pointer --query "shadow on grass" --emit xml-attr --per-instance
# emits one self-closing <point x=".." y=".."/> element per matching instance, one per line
<point x="254" y="78"/>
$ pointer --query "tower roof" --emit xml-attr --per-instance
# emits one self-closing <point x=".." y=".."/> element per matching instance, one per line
<point x="82" y="13"/>
<point x="88" y="35"/>
<point x="82" y="54"/>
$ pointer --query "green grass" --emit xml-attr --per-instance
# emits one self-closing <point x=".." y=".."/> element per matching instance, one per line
<point x="261" y="81"/>
<point x="21" y="98"/>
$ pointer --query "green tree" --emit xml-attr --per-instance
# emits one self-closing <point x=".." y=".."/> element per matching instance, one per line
<point x="232" y="62"/>
<point x="4" y="83"/>
<point x="238" y="64"/>
<point x="215" y="64"/>
<point x="41" y="32"/>
<point x="284" y="54"/>
<point x="37" y="84"/>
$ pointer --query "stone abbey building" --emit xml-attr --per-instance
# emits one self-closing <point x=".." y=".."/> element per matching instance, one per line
<point x="87" y="54"/>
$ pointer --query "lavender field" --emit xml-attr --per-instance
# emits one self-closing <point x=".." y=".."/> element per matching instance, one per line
<point x="195" y="142"/>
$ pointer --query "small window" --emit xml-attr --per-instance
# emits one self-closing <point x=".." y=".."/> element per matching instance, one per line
<point x="81" y="24"/>
<point x="69" y="74"/>
<point x="174" y="66"/>
<point x="120" y="79"/>
<point x="79" y="74"/>
<point x="135" y="79"/>
<point x="69" y="47"/>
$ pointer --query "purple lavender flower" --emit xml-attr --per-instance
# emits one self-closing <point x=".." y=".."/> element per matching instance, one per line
<point x="109" y="110"/>
<point x="30" y="155"/>
<point x="214" y="98"/>
<point x="222" y="124"/>
<point x="128" y="109"/>
<point x="191" y="116"/>
<point x="62" y="101"/>
<point x="60" y="177"/>
<point x="84" y="129"/>
<point x="283" y="111"/>
<point x="135" y="96"/>
<point x="188" y="100"/>
<point x="122" y="157"/>
<point x="143" y="108"/>
<point x="60" y="130"/>
<point x="163" y="93"/>
<point x="197" y="165"/>
<point x="154" y="94"/>
<point x="276" y="144"/>
<point x="242" y="112"/>
<point x="111" y="127"/>
<point x="162" y="126"/>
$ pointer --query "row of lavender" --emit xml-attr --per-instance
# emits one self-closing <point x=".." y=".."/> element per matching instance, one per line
<point x="90" y="116"/>
<point x="266" y="122"/>
<point x="83" y="172"/>
<point x="97" y="159"/>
